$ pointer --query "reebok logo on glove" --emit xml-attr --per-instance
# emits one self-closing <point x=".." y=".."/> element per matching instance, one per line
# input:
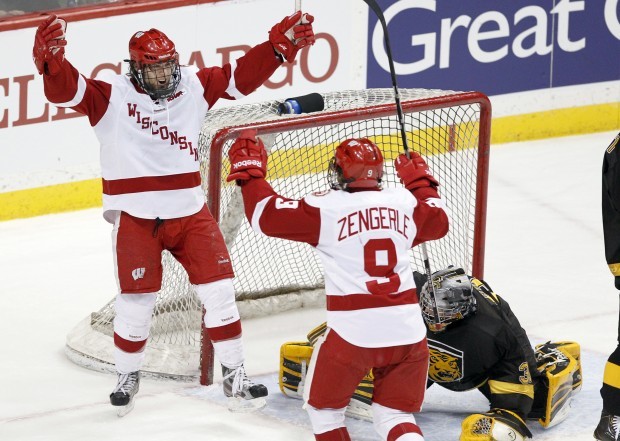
<point x="247" y="162"/>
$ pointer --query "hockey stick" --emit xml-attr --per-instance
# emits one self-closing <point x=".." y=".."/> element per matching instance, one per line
<point x="372" y="4"/>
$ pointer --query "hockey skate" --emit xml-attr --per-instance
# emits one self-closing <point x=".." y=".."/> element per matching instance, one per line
<point x="124" y="393"/>
<point x="243" y="395"/>
<point x="608" y="428"/>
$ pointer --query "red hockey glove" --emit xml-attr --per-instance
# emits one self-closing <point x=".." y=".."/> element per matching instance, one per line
<point x="248" y="158"/>
<point x="48" y="52"/>
<point x="413" y="172"/>
<point x="292" y="34"/>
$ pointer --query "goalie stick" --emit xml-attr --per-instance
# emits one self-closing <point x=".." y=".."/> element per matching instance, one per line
<point x="372" y="4"/>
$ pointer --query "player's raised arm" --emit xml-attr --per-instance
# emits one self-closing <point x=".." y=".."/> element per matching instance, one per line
<point x="64" y="86"/>
<point x="430" y="217"/>
<point x="244" y="75"/>
<point x="268" y="212"/>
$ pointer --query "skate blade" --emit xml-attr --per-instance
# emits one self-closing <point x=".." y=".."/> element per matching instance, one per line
<point x="124" y="410"/>
<point x="238" y="404"/>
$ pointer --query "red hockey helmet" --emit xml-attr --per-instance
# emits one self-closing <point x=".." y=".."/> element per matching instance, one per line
<point x="154" y="63"/>
<point x="357" y="163"/>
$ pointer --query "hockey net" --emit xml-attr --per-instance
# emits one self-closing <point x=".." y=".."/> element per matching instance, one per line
<point x="450" y="129"/>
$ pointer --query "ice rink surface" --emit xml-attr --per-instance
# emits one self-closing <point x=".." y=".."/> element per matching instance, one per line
<point x="544" y="255"/>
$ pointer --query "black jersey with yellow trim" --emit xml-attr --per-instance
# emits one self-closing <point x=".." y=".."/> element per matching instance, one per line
<point x="611" y="206"/>
<point x="487" y="350"/>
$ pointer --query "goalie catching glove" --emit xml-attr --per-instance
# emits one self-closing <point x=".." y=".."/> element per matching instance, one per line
<point x="414" y="172"/>
<point x="291" y="34"/>
<point x="48" y="52"/>
<point x="248" y="158"/>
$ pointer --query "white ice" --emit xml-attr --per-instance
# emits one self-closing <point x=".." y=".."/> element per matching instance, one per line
<point x="544" y="255"/>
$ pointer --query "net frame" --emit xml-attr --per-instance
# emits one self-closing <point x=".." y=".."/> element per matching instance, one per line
<point x="90" y="343"/>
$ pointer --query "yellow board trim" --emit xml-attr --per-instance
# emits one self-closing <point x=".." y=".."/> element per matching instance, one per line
<point x="560" y="122"/>
<point x="50" y="199"/>
<point x="611" y="377"/>
<point x="554" y="123"/>
<point x="501" y="387"/>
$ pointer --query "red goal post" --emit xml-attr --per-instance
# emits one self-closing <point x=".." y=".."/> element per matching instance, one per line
<point x="450" y="129"/>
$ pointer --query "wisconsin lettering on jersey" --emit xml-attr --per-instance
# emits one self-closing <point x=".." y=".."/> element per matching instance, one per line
<point x="375" y="218"/>
<point x="162" y="132"/>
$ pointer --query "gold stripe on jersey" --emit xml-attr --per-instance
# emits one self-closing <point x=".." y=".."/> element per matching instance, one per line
<point x="611" y="377"/>
<point x="502" y="388"/>
<point x="614" y="268"/>
<point x="613" y="144"/>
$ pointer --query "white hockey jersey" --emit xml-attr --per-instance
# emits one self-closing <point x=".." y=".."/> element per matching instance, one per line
<point x="148" y="149"/>
<point x="363" y="239"/>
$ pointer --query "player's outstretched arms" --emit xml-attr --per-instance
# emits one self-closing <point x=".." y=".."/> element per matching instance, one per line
<point x="48" y="51"/>
<point x="292" y="34"/>
<point x="496" y="425"/>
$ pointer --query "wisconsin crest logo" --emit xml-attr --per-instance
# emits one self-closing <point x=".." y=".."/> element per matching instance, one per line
<point x="138" y="273"/>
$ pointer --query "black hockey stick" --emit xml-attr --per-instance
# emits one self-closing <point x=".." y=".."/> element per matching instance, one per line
<point x="372" y="4"/>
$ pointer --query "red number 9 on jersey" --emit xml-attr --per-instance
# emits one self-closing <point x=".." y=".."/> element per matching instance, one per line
<point x="380" y="261"/>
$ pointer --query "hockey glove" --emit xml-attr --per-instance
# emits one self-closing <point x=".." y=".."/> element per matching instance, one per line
<point x="291" y="34"/>
<point x="248" y="158"/>
<point x="48" y="52"/>
<point x="413" y="172"/>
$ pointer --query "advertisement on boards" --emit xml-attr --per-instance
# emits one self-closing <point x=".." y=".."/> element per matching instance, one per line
<point x="496" y="47"/>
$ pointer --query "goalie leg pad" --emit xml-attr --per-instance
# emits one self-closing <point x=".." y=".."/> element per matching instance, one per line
<point x="496" y="425"/>
<point x="294" y="361"/>
<point x="317" y="332"/>
<point x="560" y="365"/>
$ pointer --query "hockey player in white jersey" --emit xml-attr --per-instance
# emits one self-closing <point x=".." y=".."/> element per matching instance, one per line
<point x="148" y="122"/>
<point x="363" y="234"/>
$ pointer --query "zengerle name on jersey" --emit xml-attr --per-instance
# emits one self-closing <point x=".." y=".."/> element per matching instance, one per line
<point x="375" y="218"/>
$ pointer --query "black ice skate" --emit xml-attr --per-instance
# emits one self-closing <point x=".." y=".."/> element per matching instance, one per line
<point x="125" y="391"/>
<point x="243" y="395"/>
<point x="608" y="428"/>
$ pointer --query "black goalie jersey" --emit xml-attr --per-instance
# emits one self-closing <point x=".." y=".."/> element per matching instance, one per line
<point x="488" y="350"/>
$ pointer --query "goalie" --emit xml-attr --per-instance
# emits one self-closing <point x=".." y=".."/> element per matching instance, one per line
<point x="475" y="342"/>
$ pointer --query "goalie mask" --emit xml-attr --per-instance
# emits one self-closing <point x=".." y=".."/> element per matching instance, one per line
<point x="154" y="63"/>
<point x="357" y="163"/>
<point x="454" y="298"/>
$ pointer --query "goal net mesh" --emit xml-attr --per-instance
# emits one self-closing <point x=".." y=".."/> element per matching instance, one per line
<point x="449" y="129"/>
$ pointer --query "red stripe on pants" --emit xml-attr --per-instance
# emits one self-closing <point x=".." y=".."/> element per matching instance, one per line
<point x="401" y="429"/>
<point x="128" y="345"/>
<point x="339" y="434"/>
<point x="226" y="332"/>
